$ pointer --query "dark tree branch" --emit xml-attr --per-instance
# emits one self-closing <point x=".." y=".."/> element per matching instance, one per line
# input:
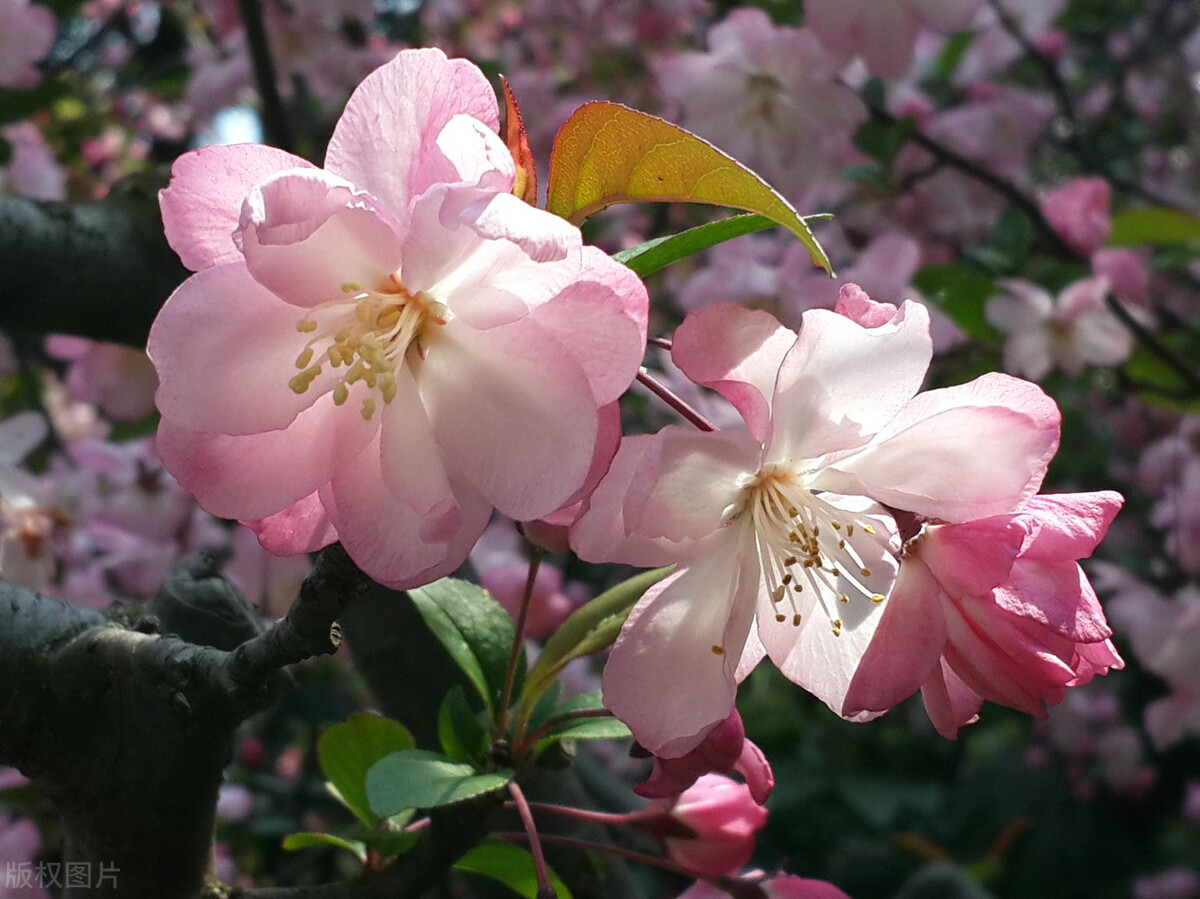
<point x="99" y="270"/>
<point x="275" y="123"/>
<point x="127" y="730"/>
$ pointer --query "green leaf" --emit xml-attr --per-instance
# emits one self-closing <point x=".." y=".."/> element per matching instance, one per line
<point x="962" y="293"/>
<point x="462" y="736"/>
<point x="585" y="729"/>
<point x="511" y="865"/>
<point x="346" y="751"/>
<point x="647" y="258"/>
<point x="590" y="628"/>
<point x="475" y="630"/>
<point x="606" y="153"/>
<point x="390" y="841"/>
<point x="546" y="707"/>
<point x="416" y="778"/>
<point x="1159" y="227"/>
<point x="294" y="841"/>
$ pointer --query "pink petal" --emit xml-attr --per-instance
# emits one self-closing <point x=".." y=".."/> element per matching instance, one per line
<point x="736" y="352"/>
<point x="602" y="317"/>
<point x="906" y="647"/>
<point x="476" y="155"/>
<point x="958" y="453"/>
<point x="513" y="414"/>
<point x="386" y="537"/>
<point x="489" y="257"/>
<point x="1058" y="596"/>
<point x="842" y="382"/>
<point x="949" y="702"/>
<point x="202" y="204"/>
<point x="692" y="483"/>
<point x="601" y="535"/>
<point x="972" y="558"/>
<point x="302" y="527"/>
<point x="663" y="678"/>
<point x="1070" y="525"/>
<point x="810" y="653"/>
<point x="412" y="463"/>
<point x="386" y="139"/>
<point x="225" y="348"/>
<point x="255" y="475"/>
<point x="306" y="234"/>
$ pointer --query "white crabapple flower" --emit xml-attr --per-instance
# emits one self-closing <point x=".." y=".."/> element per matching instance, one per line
<point x="783" y="532"/>
<point x="1070" y="332"/>
<point x="384" y="350"/>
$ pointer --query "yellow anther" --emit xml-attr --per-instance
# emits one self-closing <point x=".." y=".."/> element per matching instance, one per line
<point x="849" y="530"/>
<point x="876" y="597"/>
<point x="790" y="561"/>
<point x="780" y="617"/>
<point x="787" y="578"/>
<point x="865" y="572"/>
<point x="718" y="650"/>
<point x="340" y="393"/>
<point x="837" y="525"/>
<point x="368" y="408"/>
<point x="837" y="627"/>
<point x="387" y="387"/>
<point x="305" y="325"/>
<point x="845" y="597"/>
<point x="304" y="358"/>
<point x="777" y="594"/>
<point x="796" y="620"/>
<point x="868" y="528"/>
<point x="841" y="544"/>
<point x="351" y="287"/>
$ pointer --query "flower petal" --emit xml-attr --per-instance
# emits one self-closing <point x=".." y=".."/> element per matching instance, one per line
<point x="736" y="352"/>
<point x="958" y="453"/>
<point x="386" y="139"/>
<point x="949" y="702"/>
<point x="513" y="414"/>
<point x="602" y="317"/>
<point x="906" y="647"/>
<point x="489" y="257"/>
<point x="225" y="348"/>
<point x="663" y="678"/>
<point x="302" y="527"/>
<point x="842" y="382"/>
<point x="386" y="537"/>
<point x="305" y="234"/>
<point x="253" y="476"/>
<point x="691" y="484"/>
<point x="201" y="205"/>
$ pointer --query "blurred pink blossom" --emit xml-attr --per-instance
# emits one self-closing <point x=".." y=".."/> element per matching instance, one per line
<point x="1078" y="211"/>
<point x="27" y="32"/>
<point x="884" y="34"/>
<point x="765" y="94"/>
<point x="118" y="379"/>
<point x="1068" y="332"/>
<point x="32" y="171"/>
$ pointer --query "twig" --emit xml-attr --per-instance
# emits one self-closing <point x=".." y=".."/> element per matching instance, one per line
<point x="676" y="402"/>
<point x="275" y="124"/>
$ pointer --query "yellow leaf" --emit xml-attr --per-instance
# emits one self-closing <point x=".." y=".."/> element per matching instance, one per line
<point x="525" y="184"/>
<point x="606" y="153"/>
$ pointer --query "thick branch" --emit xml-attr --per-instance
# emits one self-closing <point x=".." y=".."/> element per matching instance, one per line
<point x="128" y="730"/>
<point x="99" y="270"/>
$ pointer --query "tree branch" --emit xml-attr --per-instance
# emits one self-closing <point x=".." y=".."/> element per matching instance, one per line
<point x="99" y="270"/>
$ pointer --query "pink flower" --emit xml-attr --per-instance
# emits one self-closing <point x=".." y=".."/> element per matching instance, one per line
<point x="724" y="748"/>
<point x="1078" y="211"/>
<point x="723" y="819"/>
<point x="765" y="94"/>
<point x="782" y="886"/>
<point x="996" y="608"/>
<point x="26" y="35"/>
<point x="884" y="34"/>
<point x="1069" y="332"/>
<point x="118" y="379"/>
<point x="32" y="171"/>
<point x="384" y="350"/>
<point x="784" y="544"/>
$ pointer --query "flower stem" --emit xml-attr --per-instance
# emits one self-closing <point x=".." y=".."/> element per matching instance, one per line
<point x="536" y="554"/>
<point x="545" y="888"/>
<point x="677" y="403"/>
